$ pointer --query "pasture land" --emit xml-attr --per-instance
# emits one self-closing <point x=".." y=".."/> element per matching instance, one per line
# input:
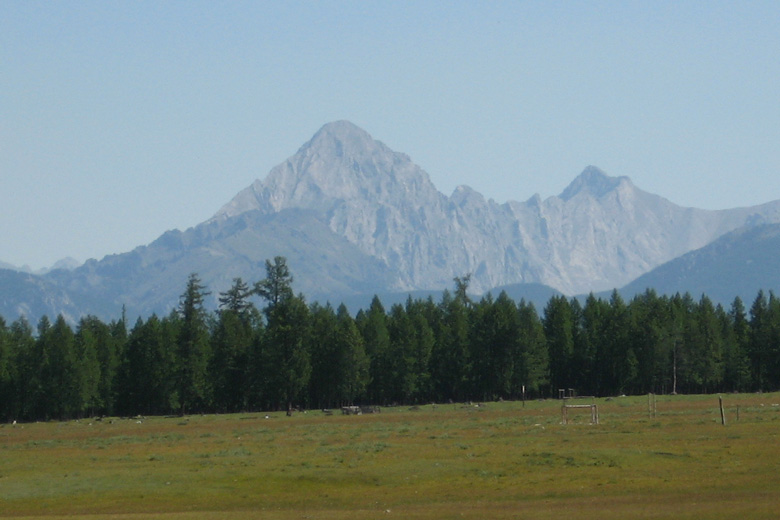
<point x="500" y="460"/>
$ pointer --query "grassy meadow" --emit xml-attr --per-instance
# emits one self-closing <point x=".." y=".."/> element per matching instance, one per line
<point x="499" y="460"/>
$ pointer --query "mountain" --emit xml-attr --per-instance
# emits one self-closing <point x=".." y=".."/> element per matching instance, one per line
<point x="739" y="263"/>
<point x="355" y="218"/>
<point x="25" y="294"/>
<point x="67" y="263"/>
<point x="10" y="267"/>
<point x="600" y="233"/>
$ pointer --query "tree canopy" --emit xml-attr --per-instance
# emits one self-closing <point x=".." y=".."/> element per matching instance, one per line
<point x="289" y="354"/>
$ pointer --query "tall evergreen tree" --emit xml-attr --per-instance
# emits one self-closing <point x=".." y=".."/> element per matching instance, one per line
<point x="287" y="360"/>
<point x="148" y="370"/>
<point x="25" y="377"/>
<point x="623" y="362"/>
<point x="481" y="347"/>
<point x="736" y="334"/>
<point x="232" y="342"/>
<point x="88" y="366"/>
<point x="353" y="363"/>
<point x="58" y="392"/>
<point x="403" y="383"/>
<point x="286" y="357"/>
<point x="376" y="336"/>
<point x="6" y="370"/>
<point x="647" y="314"/>
<point x="558" y="329"/>
<point x="277" y="284"/>
<point x="706" y="348"/>
<point x="759" y="344"/>
<point x="325" y="369"/>
<point x="450" y="358"/>
<point x="773" y="354"/>
<point x="193" y="347"/>
<point x="590" y="348"/>
<point x="534" y="367"/>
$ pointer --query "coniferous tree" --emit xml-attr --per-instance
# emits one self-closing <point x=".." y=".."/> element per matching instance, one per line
<point x="481" y="345"/>
<point x="507" y="355"/>
<point x="193" y="344"/>
<point x="373" y="326"/>
<point x="647" y="337"/>
<point x="353" y="364"/>
<point x="707" y="347"/>
<point x="325" y="369"/>
<point x="760" y="337"/>
<point x="403" y="383"/>
<point x="735" y="332"/>
<point x="558" y="329"/>
<point x="88" y="366"/>
<point x="497" y="335"/>
<point x="450" y="357"/>
<point x="277" y="284"/>
<point x="773" y="354"/>
<point x="59" y="375"/>
<point x="147" y="374"/>
<point x="534" y="362"/>
<point x="24" y="376"/>
<point x="423" y="315"/>
<point x="623" y="362"/>
<point x="599" y="324"/>
<point x="285" y="353"/>
<point x="236" y="299"/>
<point x="6" y="370"/>
<point x="287" y="360"/>
<point x="108" y="344"/>
<point x="232" y="341"/>
<point x="590" y="349"/>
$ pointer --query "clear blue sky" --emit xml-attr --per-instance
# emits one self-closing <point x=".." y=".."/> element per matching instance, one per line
<point x="121" y="120"/>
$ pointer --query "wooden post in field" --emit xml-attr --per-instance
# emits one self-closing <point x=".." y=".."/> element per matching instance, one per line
<point x="722" y="413"/>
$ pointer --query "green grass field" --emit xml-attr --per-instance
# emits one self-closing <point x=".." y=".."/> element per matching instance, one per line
<point x="500" y="460"/>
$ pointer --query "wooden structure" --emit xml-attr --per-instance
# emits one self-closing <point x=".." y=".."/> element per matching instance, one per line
<point x="594" y="412"/>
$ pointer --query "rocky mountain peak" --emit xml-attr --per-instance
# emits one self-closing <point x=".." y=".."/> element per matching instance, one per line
<point x="594" y="182"/>
<point x="340" y="163"/>
<point x="355" y="217"/>
<point x="341" y="138"/>
<point x="466" y="195"/>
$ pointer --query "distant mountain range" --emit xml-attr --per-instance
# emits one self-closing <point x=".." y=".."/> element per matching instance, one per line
<point x="66" y="263"/>
<point x="739" y="263"/>
<point x="354" y="218"/>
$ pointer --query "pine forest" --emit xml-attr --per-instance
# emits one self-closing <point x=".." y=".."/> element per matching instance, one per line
<point x="290" y="355"/>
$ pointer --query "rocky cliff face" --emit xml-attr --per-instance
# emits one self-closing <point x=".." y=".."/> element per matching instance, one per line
<point x="600" y="233"/>
<point x="354" y="217"/>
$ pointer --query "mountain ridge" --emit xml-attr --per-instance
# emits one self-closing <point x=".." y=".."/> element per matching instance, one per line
<point x="355" y="217"/>
<point x="739" y="263"/>
<point x="336" y="173"/>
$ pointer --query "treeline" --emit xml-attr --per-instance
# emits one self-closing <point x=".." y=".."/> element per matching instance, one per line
<point x="289" y="353"/>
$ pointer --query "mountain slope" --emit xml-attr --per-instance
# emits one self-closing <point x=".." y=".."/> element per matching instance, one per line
<point x="151" y="278"/>
<point x="739" y="263"/>
<point x="25" y="294"/>
<point x="600" y="233"/>
<point x="354" y="218"/>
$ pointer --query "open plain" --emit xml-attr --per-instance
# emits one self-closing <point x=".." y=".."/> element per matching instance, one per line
<point x="494" y="460"/>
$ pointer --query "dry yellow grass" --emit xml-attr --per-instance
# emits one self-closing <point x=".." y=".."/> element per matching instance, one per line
<point x="451" y="461"/>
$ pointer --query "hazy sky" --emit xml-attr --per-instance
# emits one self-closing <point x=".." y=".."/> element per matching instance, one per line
<point x="121" y="120"/>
